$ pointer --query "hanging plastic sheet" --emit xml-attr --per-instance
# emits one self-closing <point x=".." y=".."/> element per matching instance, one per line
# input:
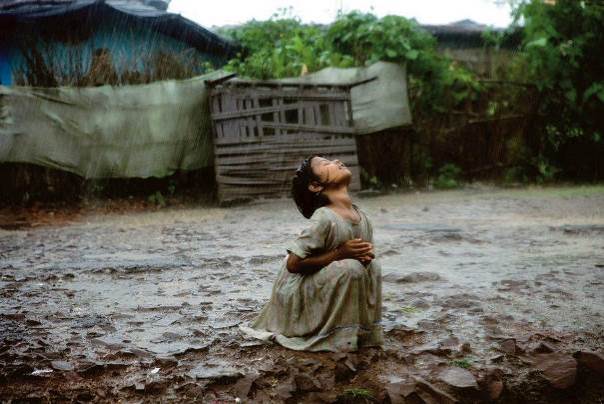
<point x="143" y="131"/>
<point x="377" y="104"/>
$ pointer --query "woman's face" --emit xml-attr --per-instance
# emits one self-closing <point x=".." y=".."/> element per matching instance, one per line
<point x="330" y="171"/>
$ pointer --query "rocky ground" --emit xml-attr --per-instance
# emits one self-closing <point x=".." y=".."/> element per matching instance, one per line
<point x="490" y="295"/>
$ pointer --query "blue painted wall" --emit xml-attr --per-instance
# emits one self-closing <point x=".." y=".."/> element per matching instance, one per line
<point x="126" y="43"/>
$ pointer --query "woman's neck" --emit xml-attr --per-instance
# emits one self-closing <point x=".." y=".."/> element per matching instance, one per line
<point x="339" y="197"/>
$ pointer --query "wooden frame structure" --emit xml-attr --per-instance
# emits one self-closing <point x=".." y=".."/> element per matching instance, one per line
<point x="263" y="130"/>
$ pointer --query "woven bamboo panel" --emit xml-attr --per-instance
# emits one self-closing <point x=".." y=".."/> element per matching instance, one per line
<point x="263" y="130"/>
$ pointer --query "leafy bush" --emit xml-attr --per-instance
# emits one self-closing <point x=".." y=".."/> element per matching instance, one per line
<point x="157" y="199"/>
<point x="283" y="46"/>
<point x="558" y="69"/>
<point x="562" y="46"/>
<point x="278" y="47"/>
<point x="448" y="177"/>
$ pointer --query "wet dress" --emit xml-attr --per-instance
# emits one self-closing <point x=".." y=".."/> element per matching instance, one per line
<point x="336" y="309"/>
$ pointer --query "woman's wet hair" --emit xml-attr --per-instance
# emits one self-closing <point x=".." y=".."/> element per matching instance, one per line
<point x="306" y="200"/>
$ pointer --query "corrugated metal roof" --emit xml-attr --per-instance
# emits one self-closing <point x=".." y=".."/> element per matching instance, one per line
<point x="14" y="12"/>
<point x="470" y="33"/>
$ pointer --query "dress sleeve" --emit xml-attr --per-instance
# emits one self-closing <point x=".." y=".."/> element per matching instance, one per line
<point x="313" y="238"/>
<point x="369" y="228"/>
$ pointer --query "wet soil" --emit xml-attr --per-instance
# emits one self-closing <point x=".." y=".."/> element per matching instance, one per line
<point x="490" y="295"/>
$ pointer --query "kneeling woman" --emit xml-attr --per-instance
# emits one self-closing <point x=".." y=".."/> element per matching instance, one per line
<point x="328" y="294"/>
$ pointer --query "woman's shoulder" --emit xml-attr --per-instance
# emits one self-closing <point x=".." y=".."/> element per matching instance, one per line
<point x="320" y="213"/>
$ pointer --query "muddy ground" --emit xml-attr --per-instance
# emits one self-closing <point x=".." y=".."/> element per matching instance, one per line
<point x="489" y="295"/>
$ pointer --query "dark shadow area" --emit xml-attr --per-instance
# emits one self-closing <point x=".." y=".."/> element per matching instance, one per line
<point x="28" y="184"/>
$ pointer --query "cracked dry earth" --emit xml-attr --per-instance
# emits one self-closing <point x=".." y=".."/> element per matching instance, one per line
<point x="490" y="295"/>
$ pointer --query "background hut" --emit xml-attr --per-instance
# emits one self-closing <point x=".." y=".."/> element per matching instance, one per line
<point x="84" y="43"/>
<point x="466" y="42"/>
<point x="94" y="42"/>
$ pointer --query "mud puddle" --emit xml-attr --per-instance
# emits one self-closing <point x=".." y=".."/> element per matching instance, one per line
<point x="489" y="295"/>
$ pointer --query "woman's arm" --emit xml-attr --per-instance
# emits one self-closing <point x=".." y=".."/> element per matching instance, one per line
<point x="350" y="249"/>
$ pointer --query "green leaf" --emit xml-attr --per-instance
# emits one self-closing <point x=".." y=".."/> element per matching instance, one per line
<point x="540" y="43"/>
<point x="571" y="95"/>
<point x="412" y="54"/>
<point x="391" y="53"/>
<point x="595" y="89"/>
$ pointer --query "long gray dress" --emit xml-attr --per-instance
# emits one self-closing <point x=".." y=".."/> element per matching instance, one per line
<point x="338" y="308"/>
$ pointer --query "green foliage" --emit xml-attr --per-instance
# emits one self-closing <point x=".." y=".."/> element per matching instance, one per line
<point x="562" y="48"/>
<point x="279" y="47"/>
<point x="493" y="39"/>
<point x="368" y="39"/>
<point x="359" y="394"/>
<point x="516" y="174"/>
<point x="560" y="57"/>
<point x="546" y="171"/>
<point x="171" y="187"/>
<point x="461" y="363"/>
<point x="370" y="181"/>
<point x="437" y="84"/>
<point x="448" y="177"/>
<point x="157" y="199"/>
<point x="282" y="46"/>
<point x="95" y="187"/>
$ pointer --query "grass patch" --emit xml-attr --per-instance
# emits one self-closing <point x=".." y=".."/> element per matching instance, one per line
<point x="448" y="177"/>
<point x="410" y="309"/>
<point x="461" y="363"/>
<point x="359" y="394"/>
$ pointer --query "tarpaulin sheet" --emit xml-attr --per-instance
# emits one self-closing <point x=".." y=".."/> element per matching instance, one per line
<point x="148" y="130"/>
<point x="376" y="105"/>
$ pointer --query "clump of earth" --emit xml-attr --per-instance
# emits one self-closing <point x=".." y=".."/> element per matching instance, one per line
<point x="490" y="295"/>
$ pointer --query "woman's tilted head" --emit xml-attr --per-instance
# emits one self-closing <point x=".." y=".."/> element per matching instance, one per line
<point x="315" y="175"/>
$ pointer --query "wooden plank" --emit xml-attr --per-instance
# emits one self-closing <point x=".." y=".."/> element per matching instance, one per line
<point x="213" y="83"/>
<point x="280" y="116"/>
<point x="257" y="118"/>
<point x="251" y="120"/>
<point x="233" y="189"/>
<point x="304" y="149"/>
<point x="229" y="180"/>
<point x="349" y="117"/>
<point x="215" y="104"/>
<point x="261" y="171"/>
<point x="294" y="139"/>
<point x="255" y="111"/>
<point x="276" y="103"/>
<point x="339" y="112"/>
<point x="253" y="161"/>
<point x="331" y="112"/>
<point x="306" y="96"/>
<point x="310" y="128"/>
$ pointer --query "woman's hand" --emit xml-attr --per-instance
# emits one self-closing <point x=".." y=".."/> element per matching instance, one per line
<point x="355" y="249"/>
<point x="366" y="259"/>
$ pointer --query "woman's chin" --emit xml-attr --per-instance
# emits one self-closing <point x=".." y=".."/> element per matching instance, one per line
<point x="346" y="176"/>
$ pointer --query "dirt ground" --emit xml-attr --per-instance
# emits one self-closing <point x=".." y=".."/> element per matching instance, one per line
<point x="490" y="295"/>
